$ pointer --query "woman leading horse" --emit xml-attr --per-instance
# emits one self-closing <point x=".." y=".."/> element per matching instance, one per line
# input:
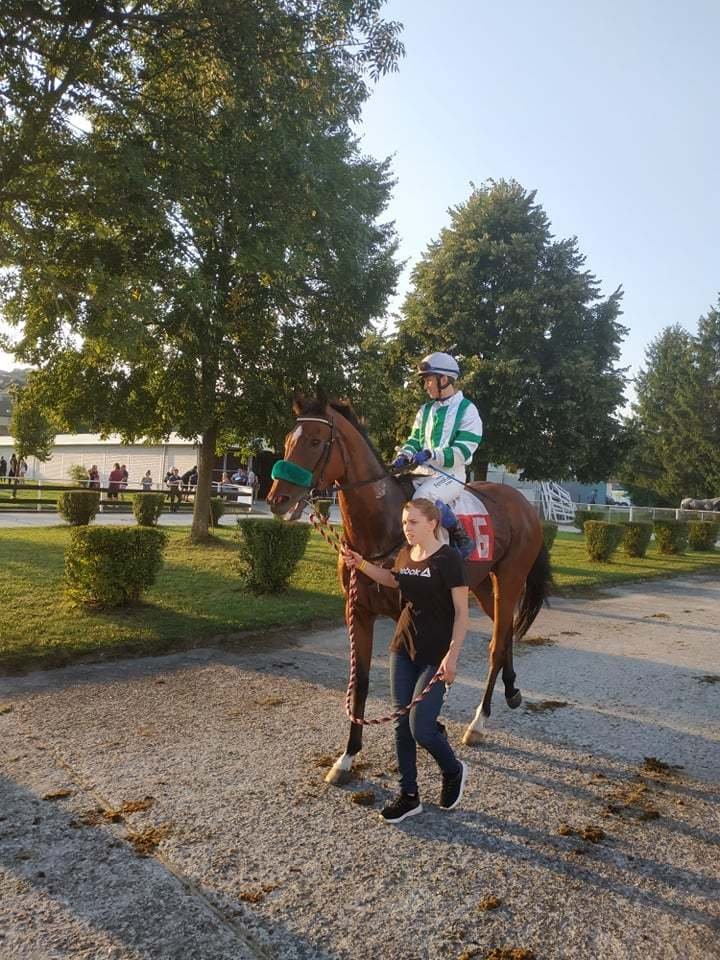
<point x="328" y="446"/>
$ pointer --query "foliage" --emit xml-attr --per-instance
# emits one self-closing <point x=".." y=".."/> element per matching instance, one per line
<point x="636" y="538"/>
<point x="30" y="427"/>
<point x="581" y="518"/>
<point x="675" y="449"/>
<point x="78" y="507"/>
<point x="112" y="566"/>
<point x="78" y="473"/>
<point x="537" y="343"/>
<point x="703" y="534"/>
<point x="211" y="231"/>
<point x="270" y="551"/>
<point x="323" y="507"/>
<point x="549" y="533"/>
<point x="147" y="508"/>
<point x="601" y="539"/>
<point x="217" y="509"/>
<point x="671" y="536"/>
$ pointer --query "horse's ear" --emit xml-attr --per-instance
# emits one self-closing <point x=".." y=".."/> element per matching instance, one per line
<point x="321" y="396"/>
<point x="298" y="401"/>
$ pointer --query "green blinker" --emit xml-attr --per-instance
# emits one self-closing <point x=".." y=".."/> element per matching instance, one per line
<point x="292" y="473"/>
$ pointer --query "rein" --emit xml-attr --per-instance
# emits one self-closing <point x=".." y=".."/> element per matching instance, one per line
<point x="333" y="539"/>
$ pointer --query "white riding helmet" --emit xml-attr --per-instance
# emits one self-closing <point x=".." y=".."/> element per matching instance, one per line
<point x="441" y="364"/>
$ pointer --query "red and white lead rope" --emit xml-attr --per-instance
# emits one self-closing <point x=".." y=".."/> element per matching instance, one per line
<point x="322" y="525"/>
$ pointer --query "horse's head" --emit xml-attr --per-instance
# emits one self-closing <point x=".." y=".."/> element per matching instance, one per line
<point x="312" y="457"/>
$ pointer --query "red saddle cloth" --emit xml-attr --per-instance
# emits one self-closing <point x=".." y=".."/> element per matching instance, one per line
<point x="479" y="528"/>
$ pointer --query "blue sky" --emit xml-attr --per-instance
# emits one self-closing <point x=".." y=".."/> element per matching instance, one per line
<point x="609" y="110"/>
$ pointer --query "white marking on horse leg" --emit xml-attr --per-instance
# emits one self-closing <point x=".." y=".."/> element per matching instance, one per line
<point x="479" y="720"/>
<point x="340" y="770"/>
<point x="473" y="735"/>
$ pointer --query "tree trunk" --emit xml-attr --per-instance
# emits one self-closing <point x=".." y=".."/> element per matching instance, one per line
<point x="480" y="468"/>
<point x="206" y="462"/>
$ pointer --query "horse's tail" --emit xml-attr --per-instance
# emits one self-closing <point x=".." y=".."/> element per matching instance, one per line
<point x="537" y="590"/>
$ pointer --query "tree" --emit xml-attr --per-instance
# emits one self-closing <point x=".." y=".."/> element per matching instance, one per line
<point x="32" y="431"/>
<point x="676" y="446"/>
<point x="537" y="343"/>
<point x="214" y="236"/>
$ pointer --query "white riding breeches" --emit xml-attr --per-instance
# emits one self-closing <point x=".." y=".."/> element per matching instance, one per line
<point x="438" y="487"/>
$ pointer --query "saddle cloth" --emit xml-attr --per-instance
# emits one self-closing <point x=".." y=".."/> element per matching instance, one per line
<point x="473" y="515"/>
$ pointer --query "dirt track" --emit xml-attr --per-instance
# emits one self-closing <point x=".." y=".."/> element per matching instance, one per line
<point x="174" y="807"/>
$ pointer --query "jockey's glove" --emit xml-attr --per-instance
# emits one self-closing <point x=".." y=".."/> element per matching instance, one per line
<point x="420" y="457"/>
<point x="401" y="461"/>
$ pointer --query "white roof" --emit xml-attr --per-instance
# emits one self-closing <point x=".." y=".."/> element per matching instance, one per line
<point x="94" y="439"/>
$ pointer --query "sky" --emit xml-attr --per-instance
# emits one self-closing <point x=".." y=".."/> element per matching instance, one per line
<point x="608" y="110"/>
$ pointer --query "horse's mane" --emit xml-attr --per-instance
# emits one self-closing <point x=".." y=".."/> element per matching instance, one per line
<point x="316" y="408"/>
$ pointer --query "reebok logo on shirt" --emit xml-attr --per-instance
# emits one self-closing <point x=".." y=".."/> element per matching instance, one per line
<point x="414" y="572"/>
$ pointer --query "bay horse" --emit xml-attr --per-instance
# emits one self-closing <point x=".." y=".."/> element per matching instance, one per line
<point x="329" y="446"/>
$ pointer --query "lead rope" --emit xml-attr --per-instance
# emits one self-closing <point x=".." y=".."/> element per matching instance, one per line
<point x="331" y="537"/>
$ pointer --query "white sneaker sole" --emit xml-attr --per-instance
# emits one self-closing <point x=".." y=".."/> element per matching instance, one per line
<point x="410" y="813"/>
<point x="462" y="787"/>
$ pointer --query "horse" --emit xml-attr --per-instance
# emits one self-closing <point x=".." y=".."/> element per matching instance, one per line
<point x="329" y="447"/>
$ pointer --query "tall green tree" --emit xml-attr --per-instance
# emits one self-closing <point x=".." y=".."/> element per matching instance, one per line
<point x="31" y="429"/>
<point x="211" y="235"/>
<point x="538" y="344"/>
<point x="676" y="433"/>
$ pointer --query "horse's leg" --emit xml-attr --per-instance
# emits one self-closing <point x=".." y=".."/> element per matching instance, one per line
<point x="364" y="623"/>
<point x="513" y="697"/>
<point x="507" y="590"/>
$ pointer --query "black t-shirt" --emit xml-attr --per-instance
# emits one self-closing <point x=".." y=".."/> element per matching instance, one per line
<point x="428" y="613"/>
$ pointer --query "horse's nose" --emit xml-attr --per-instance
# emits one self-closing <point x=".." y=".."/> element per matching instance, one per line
<point x="278" y="500"/>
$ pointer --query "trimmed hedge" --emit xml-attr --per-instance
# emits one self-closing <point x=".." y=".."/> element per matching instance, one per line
<point x="703" y="534"/>
<point x="78" y="507"/>
<point x="270" y="550"/>
<point x="671" y="536"/>
<point x="636" y="538"/>
<point x="549" y="533"/>
<point x="601" y="539"/>
<point x="147" y="508"/>
<point x="581" y="518"/>
<point x="217" y="509"/>
<point x="112" y="566"/>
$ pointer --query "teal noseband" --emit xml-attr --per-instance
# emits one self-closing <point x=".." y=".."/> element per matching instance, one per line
<point x="292" y="473"/>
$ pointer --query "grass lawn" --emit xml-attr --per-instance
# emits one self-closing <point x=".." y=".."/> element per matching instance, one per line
<point x="198" y="597"/>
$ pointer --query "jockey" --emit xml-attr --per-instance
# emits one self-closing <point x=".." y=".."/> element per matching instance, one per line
<point x="445" y="434"/>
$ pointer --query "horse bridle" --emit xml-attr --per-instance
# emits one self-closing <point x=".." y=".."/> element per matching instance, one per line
<point x="325" y="457"/>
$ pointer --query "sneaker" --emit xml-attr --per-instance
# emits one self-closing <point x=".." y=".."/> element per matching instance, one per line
<point x="400" y="808"/>
<point x="452" y="788"/>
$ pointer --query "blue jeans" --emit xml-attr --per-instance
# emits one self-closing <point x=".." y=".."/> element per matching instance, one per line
<point x="420" y="726"/>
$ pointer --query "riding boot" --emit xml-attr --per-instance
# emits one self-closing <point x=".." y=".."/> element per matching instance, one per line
<point x="458" y="537"/>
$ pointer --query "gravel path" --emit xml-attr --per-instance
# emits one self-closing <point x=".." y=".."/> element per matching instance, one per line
<point x="175" y="808"/>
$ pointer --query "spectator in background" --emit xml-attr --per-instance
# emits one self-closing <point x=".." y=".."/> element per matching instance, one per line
<point x="3" y="469"/>
<point x="114" y="482"/>
<point x="94" y="477"/>
<point x="187" y="480"/>
<point x="125" y="478"/>
<point x="147" y="481"/>
<point x="174" y="481"/>
<point x="22" y="469"/>
<point x="12" y="466"/>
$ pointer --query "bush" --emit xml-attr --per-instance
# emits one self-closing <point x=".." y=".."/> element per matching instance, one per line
<point x="581" y="518"/>
<point x="79" y="474"/>
<point x="78" y="507"/>
<point x="636" y="538"/>
<point x="602" y="539"/>
<point x="703" y="534"/>
<point x="322" y="507"/>
<point x="270" y="551"/>
<point x="147" y="508"/>
<point x="549" y="533"/>
<point x="217" y="509"/>
<point x="112" y="566"/>
<point x="671" y="536"/>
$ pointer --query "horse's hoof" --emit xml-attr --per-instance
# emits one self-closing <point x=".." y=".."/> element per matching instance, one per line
<point x="514" y="701"/>
<point x="338" y="777"/>
<point x="471" y="738"/>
